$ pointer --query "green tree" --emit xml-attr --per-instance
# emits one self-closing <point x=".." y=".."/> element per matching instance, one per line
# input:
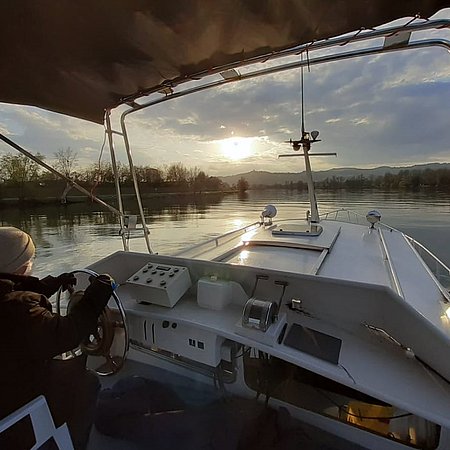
<point x="17" y="170"/>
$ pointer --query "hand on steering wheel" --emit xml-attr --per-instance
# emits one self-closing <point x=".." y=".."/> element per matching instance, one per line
<point x="100" y="342"/>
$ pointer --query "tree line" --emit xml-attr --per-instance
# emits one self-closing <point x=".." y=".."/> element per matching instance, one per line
<point x="414" y="180"/>
<point x="17" y="170"/>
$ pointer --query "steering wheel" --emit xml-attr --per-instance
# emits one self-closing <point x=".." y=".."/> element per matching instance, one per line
<point x="110" y="341"/>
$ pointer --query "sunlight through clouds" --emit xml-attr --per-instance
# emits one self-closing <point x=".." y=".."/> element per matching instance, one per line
<point x="236" y="148"/>
<point x="380" y="110"/>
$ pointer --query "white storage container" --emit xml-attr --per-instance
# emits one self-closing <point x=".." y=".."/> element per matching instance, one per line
<point x="213" y="293"/>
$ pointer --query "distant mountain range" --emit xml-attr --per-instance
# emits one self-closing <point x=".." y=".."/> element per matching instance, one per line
<point x="269" y="178"/>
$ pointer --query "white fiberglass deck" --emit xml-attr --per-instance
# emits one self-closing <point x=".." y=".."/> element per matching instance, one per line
<point x="343" y="250"/>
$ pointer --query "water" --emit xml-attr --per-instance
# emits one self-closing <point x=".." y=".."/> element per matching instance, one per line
<point x="73" y="236"/>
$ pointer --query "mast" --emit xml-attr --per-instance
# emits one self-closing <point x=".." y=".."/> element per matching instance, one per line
<point x="305" y="143"/>
<point x="306" y="148"/>
<point x="310" y="181"/>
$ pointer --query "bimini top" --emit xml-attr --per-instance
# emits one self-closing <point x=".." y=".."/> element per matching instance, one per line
<point x="84" y="57"/>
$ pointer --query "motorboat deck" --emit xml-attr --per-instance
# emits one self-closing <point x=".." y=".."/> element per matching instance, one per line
<point x="361" y="316"/>
<point x="343" y="325"/>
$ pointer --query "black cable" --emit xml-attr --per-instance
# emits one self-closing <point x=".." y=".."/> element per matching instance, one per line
<point x="302" y="92"/>
<point x="244" y="352"/>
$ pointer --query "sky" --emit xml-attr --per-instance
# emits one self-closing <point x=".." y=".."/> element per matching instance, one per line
<point x="383" y="110"/>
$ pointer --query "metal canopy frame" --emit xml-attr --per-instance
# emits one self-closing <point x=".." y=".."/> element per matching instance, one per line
<point x="396" y="38"/>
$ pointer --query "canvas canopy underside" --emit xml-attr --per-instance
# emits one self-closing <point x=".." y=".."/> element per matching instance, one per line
<point x="83" y="57"/>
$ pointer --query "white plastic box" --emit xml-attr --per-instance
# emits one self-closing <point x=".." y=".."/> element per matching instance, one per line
<point x="213" y="293"/>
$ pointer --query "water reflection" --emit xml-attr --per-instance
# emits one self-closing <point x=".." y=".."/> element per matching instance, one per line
<point x="74" y="235"/>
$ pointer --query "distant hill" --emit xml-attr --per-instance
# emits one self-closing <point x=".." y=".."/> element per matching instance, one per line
<point x="269" y="178"/>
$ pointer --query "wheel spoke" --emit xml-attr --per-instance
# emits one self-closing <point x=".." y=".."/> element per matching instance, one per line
<point x="96" y="335"/>
<point x="111" y="360"/>
<point x="100" y="341"/>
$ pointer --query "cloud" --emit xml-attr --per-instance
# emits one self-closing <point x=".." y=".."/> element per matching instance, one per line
<point x="46" y="132"/>
<point x="384" y="109"/>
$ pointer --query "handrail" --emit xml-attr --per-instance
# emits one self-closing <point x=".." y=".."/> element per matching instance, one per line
<point x="422" y="247"/>
<point x="287" y="66"/>
<point x="414" y="244"/>
<point x="358" y="36"/>
<point x="392" y="271"/>
<point x="216" y="240"/>
<point x="326" y="215"/>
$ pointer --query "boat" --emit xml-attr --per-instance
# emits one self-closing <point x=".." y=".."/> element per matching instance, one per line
<point x="335" y="323"/>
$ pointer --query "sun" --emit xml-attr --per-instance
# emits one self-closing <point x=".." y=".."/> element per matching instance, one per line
<point x="236" y="148"/>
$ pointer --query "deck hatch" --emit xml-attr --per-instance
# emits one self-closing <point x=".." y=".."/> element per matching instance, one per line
<point x="292" y="229"/>
<point x="276" y="258"/>
<point x="314" y="343"/>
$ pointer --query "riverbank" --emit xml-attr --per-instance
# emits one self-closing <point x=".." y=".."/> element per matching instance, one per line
<point x="46" y="194"/>
<point x="50" y="193"/>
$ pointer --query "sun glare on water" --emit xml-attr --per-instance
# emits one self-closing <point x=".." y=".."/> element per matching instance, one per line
<point x="236" y="148"/>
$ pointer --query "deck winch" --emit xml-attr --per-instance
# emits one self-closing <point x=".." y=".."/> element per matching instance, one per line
<point x="259" y="314"/>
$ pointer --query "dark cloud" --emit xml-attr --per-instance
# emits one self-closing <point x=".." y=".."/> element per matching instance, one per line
<point x="388" y="109"/>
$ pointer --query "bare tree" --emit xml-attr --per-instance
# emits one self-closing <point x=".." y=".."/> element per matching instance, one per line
<point x="177" y="175"/>
<point x="66" y="161"/>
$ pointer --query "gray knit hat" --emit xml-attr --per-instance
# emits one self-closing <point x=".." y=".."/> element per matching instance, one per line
<point x="16" y="248"/>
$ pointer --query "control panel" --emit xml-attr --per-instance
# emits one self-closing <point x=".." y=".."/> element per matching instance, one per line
<point x="159" y="284"/>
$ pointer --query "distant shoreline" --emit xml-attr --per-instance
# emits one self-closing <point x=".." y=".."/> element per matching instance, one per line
<point x="79" y="199"/>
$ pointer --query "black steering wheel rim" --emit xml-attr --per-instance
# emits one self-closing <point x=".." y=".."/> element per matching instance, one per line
<point x="112" y="364"/>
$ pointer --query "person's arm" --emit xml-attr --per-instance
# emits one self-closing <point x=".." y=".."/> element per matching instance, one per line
<point x="23" y="280"/>
<point x="50" y="334"/>
<point x="46" y="286"/>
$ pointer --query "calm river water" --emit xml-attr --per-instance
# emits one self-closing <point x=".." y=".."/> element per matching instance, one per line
<point x="72" y="236"/>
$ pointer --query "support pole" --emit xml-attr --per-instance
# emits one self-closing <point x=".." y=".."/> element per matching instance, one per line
<point x="58" y="174"/>
<point x="109" y="132"/>
<point x="311" y="189"/>
<point x="135" y="183"/>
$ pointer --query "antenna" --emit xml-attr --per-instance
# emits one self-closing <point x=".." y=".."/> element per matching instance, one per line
<point x="303" y="98"/>
<point x="305" y="143"/>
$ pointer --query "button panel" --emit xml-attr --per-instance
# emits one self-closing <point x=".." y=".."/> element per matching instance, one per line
<point x="160" y="284"/>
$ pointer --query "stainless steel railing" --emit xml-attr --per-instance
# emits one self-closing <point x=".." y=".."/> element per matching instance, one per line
<point x="439" y="270"/>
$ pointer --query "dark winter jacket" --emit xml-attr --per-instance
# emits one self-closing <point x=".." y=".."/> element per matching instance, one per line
<point x="31" y="334"/>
